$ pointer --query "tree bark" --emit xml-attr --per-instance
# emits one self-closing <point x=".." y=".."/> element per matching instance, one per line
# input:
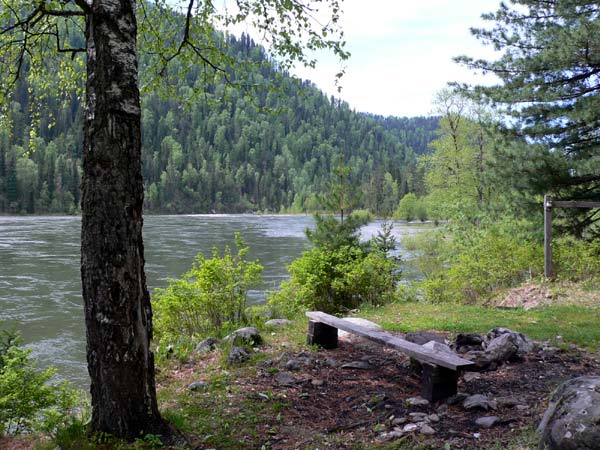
<point x="117" y="305"/>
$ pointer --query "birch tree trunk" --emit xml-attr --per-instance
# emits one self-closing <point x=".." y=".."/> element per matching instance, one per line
<point x="117" y="305"/>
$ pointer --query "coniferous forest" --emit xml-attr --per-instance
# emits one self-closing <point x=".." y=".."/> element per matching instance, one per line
<point x="272" y="150"/>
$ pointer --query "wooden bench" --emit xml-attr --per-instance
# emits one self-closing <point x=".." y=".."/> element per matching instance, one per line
<point x="440" y="370"/>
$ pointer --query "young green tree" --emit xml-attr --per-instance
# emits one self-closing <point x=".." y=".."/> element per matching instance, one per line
<point x="457" y="171"/>
<point x="341" y="197"/>
<point x="548" y="67"/>
<point x="116" y="301"/>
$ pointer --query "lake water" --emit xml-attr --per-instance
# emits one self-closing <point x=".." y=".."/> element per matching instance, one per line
<point x="40" y="288"/>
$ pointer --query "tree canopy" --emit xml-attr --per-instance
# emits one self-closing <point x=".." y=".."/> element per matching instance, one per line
<point x="549" y="70"/>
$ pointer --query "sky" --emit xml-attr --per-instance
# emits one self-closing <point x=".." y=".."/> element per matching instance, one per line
<point x="402" y="53"/>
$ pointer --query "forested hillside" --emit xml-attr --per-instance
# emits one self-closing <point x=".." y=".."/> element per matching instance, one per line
<point x="268" y="149"/>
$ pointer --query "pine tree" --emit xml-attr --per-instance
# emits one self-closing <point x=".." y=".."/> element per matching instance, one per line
<point x="550" y="89"/>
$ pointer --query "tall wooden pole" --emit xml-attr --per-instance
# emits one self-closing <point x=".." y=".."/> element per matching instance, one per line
<point x="548" y="269"/>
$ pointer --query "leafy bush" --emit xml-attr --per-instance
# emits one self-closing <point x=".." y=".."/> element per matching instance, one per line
<point x="29" y="400"/>
<point x="576" y="259"/>
<point x="410" y="208"/>
<point x="211" y="296"/>
<point x="336" y="280"/>
<point x="474" y="261"/>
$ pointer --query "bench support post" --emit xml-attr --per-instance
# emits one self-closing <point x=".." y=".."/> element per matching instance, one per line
<point x="322" y="334"/>
<point x="438" y="382"/>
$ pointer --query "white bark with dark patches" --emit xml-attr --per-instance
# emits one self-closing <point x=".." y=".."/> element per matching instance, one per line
<point x="117" y="304"/>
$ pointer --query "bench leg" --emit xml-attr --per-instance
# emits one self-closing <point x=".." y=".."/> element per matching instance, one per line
<point x="322" y="334"/>
<point x="438" y="382"/>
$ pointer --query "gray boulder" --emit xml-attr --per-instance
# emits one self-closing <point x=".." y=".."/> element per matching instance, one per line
<point x="572" y="420"/>
<point x="481" y="360"/>
<point x="245" y="336"/>
<point x="522" y="342"/>
<point x="487" y="421"/>
<point x="197" y="385"/>
<point x="502" y="348"/>
<point x="359" y="341"/>
<point x="285" y="379"/>
<point x="479" y="401"/>
<point x="423" y="337"/>
<point x="439" y="347"/>
<point x="466" y="342"/>
<point x="207" y="345"/>
<point x="277" y="323"/>
<point x="238" y="355"/>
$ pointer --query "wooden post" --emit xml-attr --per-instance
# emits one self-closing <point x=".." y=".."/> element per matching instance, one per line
<point x="322" y="334"/>
<point x="438" y="382"/>
<point x="548" y="269"/>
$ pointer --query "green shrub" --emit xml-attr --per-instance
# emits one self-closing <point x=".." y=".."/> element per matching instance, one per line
<point x="576" y="259"/>
<point x="209" y="297"/>
<point x="336" y="280"/>
<point x="410" y="208"/>
<point x="29" y="400"/>
<point x="472" y="262"/>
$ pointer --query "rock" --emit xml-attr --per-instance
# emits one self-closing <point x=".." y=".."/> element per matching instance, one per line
<point x="523" y="343"/>
<point x="487" y="421"/>
<point x="479" y="401"/>
<point x="364" y="365"/>
<point x="481" y="360"/>
<point x="391" y="435"/>
<point x="456" y="398"/>
<point x="417" y="401"/>
<point x="197" y="385"/>
<point x="417" y="416"/>
<point x="423" y="337"/>
<point x="465" y="342"/>
<point x="508" y="402"/>
<point x="238" y="355"/>
<point x="434" y="418"/>
<point x="331" y="362"/>
<point x="292" y="364"/>
<point x="572" y="420"/>
<point x="502" y="348"/>
<point x="470" y="376"/>
<point x="285" y="379"/>
<point x="245" y="336"/>
<point x="277" y="323"/>
<point x="410" y="427"/>
<point x="207" y="345"/>
<point x="359" y="341"/>
<point x="426" y="429"/>
<point x="439" y="347"/>
<point x="317" y="383"/>
<point x="442" y="409"/>
<point x="399" y="421"/>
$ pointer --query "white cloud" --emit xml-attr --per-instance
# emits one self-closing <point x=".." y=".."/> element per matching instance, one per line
<point x="402" y="53"/>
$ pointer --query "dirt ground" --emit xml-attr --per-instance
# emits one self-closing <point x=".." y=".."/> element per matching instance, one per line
<point x="335" y="407"/>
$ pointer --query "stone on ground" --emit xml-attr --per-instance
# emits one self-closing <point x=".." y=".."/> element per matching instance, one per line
<point x="238" y="355"/>
<point x="277" y="323"/>
<point x="572" y="420"/>
<point x="207" y="345"/>
<point x="245" y="336"/>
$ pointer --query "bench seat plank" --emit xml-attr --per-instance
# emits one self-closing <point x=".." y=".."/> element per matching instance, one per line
<point x="413" y="350"/>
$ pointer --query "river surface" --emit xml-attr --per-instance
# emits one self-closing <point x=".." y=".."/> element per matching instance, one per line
<point x="40" y="287"/>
